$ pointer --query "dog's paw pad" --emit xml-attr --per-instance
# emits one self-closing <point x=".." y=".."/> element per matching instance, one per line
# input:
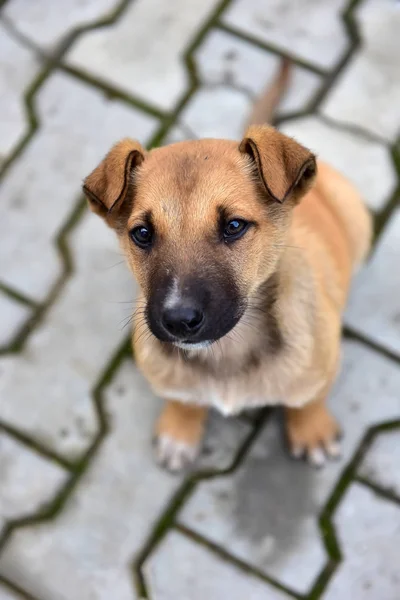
<point x="174" y="455"/>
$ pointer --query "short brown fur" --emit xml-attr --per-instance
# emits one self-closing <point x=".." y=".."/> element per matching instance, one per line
<point x="292" y="269"/>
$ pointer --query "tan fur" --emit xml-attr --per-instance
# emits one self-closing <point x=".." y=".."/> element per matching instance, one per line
<point x="294" y="268"/>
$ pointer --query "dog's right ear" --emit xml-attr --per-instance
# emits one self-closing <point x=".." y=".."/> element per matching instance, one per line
<point x="285" y="168"/>
<point x="110" y="185"/>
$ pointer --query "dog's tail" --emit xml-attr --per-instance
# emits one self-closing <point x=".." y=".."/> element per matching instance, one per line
<point x="264" y="107"/>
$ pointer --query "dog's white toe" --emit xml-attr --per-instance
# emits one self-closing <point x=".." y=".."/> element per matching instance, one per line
<point x="174" y="455"/>
<point x="297" y="452"/>
<point x="333" y="449"/>
<point x="316" y="457"/>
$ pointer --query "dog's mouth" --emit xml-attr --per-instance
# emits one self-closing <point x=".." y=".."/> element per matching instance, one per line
<point x="190" y="345"/>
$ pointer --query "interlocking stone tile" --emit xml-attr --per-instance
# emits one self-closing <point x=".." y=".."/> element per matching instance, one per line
<point x="18" y="67"/>
<point x="217" y="111"/>
<point x="374" y="308"/>
<point x="142" y="53"/>
<point x="267" y="512"/>
<point x="46" y="391"/>
<point x="381" y="464"/>
<point x="86" y="552"/>
<point x="369" y="533"/>
<point x="180" y="569"/>
<point x="225" y="59"/>
<point x="27" y="480"/>
<point x="46" y="23"/>
<point x="78" y="126"/>
<point x="13" y="315"/>
<point x="311" y="31"/>
<point x="367" y="93"/>
<point x="367" y="164"/>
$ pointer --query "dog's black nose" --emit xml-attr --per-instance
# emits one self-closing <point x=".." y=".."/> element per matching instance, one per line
<point x="183" y="321"/>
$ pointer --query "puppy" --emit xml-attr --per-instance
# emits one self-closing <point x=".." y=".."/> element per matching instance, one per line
<point x="244" y="254"/>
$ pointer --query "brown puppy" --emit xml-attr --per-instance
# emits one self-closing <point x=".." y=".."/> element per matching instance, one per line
<point x="244" y="257"/>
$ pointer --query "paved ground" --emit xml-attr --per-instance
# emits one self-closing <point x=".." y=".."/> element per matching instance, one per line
<point x="84" y="513"/>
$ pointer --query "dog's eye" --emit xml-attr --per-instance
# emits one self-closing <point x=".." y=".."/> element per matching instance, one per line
<point x="142" y="236"/>
<point x="234" y="229"/>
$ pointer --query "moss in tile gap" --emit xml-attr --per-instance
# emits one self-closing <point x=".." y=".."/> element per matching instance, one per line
<point x="112" y="92"/>
<point x="351" y="334"/>
<point x="326" y="525"/>
<point x="20" y="37"/>
<point x="38" y="314"/>
<point x="354" y="42"/>
<point x="51" y="61"/>
<point x="394" y="202"/>
<point x="382" y="492"/>
<point x="191" y="69"/>
<point x="158" y="533"/>
<point x="17" y="296"/>
<point x="329" y="76"/>
<point x="270" y="48"/>
<point x="16" y="589"/>
<point x="50" y="510"/>
<point x="322" y="580"/>
<point x="169" y="515"/>
<point x="233" y="560"/>
<point x="32" y="119"/>
<point x="354" y="129"/>
<point x="35" y="446"/>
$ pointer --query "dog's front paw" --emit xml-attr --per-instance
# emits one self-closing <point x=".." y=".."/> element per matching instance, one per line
<point x="174" y="455"/>
<point x="313" y="434"/>
<point x="178" y="435"/>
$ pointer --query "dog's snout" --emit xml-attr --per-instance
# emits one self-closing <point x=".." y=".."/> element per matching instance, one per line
<point x="183" y="321"/>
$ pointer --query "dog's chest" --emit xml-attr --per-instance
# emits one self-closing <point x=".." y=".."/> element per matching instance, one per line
<point x="231" y="394"/>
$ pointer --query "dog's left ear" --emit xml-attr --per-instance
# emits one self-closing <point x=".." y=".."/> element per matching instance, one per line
<point x="286" y="169"/>
<point x="108" y="187"/>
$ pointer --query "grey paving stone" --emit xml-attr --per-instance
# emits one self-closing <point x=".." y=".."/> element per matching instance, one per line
<point x="91" y="544"/>
<point x="225" y="59"/>
<point x="233" y="73"/>
<point x="6" y="594"/>
<point x="18" y="68"/>
<point x="46" y="390"/>
<point x="46" y="23"/>
<point x="367" y="164"/>
<point x="178" y="133"/>
<point x="367" y="93"/>
<point x="312" y="31"/>
<point x="374" y="306"/>
<point x="78" y="126"/>
<point x="381" y="464"/>
<point x="142" y="53"/>
<point x="182" y="569"/>
<point x="13" y="315"/>
<point x="369" y="533"/>
<point x="267" y="512"/>
<point x="217" y="112"/>
<point x="28" y="481"/>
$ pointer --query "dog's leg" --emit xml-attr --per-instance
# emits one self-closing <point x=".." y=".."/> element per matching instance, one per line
<point x="312" y="432"/>
<point x="178" y="435"/>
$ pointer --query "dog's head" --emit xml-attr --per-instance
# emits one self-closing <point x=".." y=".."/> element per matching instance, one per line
<point x="202" y="224"/>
